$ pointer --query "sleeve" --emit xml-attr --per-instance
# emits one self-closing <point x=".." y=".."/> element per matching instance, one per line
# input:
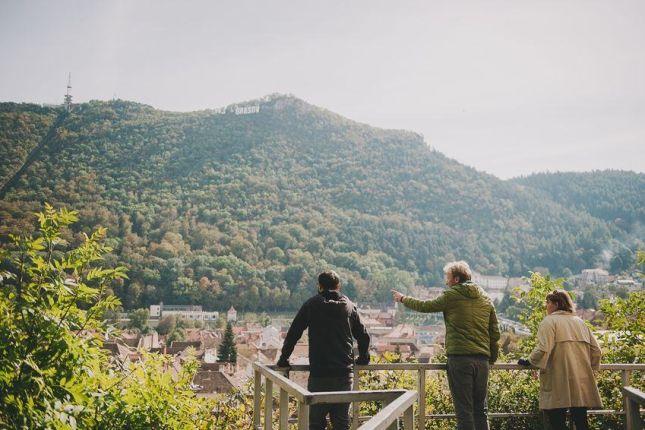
<point x="595" y="352"/>
<point x="494" y="335"/>
<point x="545" y="343"/>
<point x="436" y="305"/>
<point x="298" y="325"/>
<point x="360" y="333"/>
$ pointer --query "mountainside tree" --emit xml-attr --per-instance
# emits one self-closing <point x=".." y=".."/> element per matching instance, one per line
<point x="139" y="320"/>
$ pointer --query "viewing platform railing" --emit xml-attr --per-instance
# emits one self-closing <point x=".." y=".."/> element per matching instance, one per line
<point x="399" y="403"/>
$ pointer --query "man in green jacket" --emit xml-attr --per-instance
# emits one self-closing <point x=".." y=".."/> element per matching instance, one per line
<point x="472" y="333"/>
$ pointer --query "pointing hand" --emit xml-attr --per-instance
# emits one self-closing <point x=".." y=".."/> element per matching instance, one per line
<point x="398" y="297"/>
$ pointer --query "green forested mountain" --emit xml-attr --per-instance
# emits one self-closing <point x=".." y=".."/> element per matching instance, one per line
<point x="222" y="208"/>
<point x="615" y="196"/>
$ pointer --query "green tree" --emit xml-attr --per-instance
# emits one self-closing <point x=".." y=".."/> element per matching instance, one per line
<point x="625" y="321"/>
<point x="53" y="372"/>
<point x="166" y="325"/>
<point x="227" y="351"/>
<point x="151" y="397"/>
<point x="139" y="320"/>
<point x="52" y="303"/>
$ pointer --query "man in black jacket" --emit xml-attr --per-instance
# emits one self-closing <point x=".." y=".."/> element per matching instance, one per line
<point x="332" y="320"/>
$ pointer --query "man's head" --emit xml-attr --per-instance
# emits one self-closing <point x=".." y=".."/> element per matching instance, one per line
<point x="457" y="272"/>
<point x="328" y="281"/>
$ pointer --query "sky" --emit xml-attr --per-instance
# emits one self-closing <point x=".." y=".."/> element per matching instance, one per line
<point x="509" y="87"/>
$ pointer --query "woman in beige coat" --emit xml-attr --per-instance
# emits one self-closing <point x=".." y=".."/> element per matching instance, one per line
<point x="567" y="354"/>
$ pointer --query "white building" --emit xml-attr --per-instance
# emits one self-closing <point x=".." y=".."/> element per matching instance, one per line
<point x="490" y="282"/>
<point x="231" y="315"/>
<point x="210" y="355"/>
<point x="188" y="312"/>
<point x="495" y="286"/>
<point x="594" y="276"/>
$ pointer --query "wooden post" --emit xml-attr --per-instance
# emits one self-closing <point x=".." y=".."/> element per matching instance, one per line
<point x="394" y="425"/>
<point x="356" y="406"/>
<point x="303" y="416"/>
<point x="284" y="405"/>
<point x="284" y="409"/>
<point x="268" y="404"/>
<point x="627" y="405"/>
<point x="257" y="392"/>
<point x="421" y="409"/>
<point x="408" y="419"/>
<point x="633" y="417"/>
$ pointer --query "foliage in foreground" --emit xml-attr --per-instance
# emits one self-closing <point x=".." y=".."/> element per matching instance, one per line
<point x="53" y="372"/>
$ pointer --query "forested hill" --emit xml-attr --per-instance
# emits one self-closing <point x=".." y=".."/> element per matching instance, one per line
<point x="234" y="207"/>
<point x="615" y="196"/>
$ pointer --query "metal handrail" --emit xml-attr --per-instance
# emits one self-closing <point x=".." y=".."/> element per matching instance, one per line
<point x="305" y="398"/>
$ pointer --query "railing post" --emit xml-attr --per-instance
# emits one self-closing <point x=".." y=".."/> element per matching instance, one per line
<point x="257" y="392"/>
<point x="627" y="405"/>
<point x="284" y="405"/>
<point x="303" y="416"/>
<point x="408" y="418"/>
<point x="268" y="404"/>
<point x="356" y="406"/>
<point x="421" y="409"/>
<point x="394" y="425"/>
<point x="633" y="417"/>
<point x="284" y="409"/>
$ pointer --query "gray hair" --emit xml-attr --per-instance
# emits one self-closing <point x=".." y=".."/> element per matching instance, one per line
<point x="460" y="269"/>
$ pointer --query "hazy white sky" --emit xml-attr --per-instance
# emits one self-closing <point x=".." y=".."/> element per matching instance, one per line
<point x="509" y="87"/>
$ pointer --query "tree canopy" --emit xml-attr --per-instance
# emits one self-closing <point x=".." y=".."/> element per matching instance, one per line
<point x="244" y="210"/>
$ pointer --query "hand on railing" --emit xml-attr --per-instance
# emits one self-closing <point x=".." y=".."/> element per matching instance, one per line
<point x="282" y="363"/>
<point x="523" y="362"/>
<point x="363" y="360"/>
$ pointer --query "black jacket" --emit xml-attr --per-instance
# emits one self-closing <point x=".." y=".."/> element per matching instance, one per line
<point x="332" y="320"/>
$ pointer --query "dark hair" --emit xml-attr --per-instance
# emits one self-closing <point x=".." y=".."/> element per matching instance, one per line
<point x="561" y="299"/>
<point x="329" y="280"/>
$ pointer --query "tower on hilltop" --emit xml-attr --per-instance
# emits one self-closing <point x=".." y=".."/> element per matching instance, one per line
<point x="68" y="95"/>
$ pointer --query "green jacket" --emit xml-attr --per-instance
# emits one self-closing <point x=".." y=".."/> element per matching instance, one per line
<point x="471" y="321"/>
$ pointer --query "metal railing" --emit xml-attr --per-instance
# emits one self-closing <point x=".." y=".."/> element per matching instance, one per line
<point x="399" y="402"/>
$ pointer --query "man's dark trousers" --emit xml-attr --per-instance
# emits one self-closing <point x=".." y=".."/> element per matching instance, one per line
<point x="338" y="412"/>
<point x="468" y="381"/>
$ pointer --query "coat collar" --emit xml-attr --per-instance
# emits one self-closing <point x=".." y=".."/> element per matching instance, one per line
<point x="561" y="313"/>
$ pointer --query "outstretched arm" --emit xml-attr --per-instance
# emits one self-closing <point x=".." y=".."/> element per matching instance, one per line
<point x="436" y="305"/>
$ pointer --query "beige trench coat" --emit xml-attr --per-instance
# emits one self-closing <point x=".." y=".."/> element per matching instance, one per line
<point x="567" y="353"/>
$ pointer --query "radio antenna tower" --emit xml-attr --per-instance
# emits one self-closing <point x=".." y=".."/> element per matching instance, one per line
<point x="68" y="96"/>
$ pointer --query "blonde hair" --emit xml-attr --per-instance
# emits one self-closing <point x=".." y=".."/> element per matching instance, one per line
<point x="460" y="269"/>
